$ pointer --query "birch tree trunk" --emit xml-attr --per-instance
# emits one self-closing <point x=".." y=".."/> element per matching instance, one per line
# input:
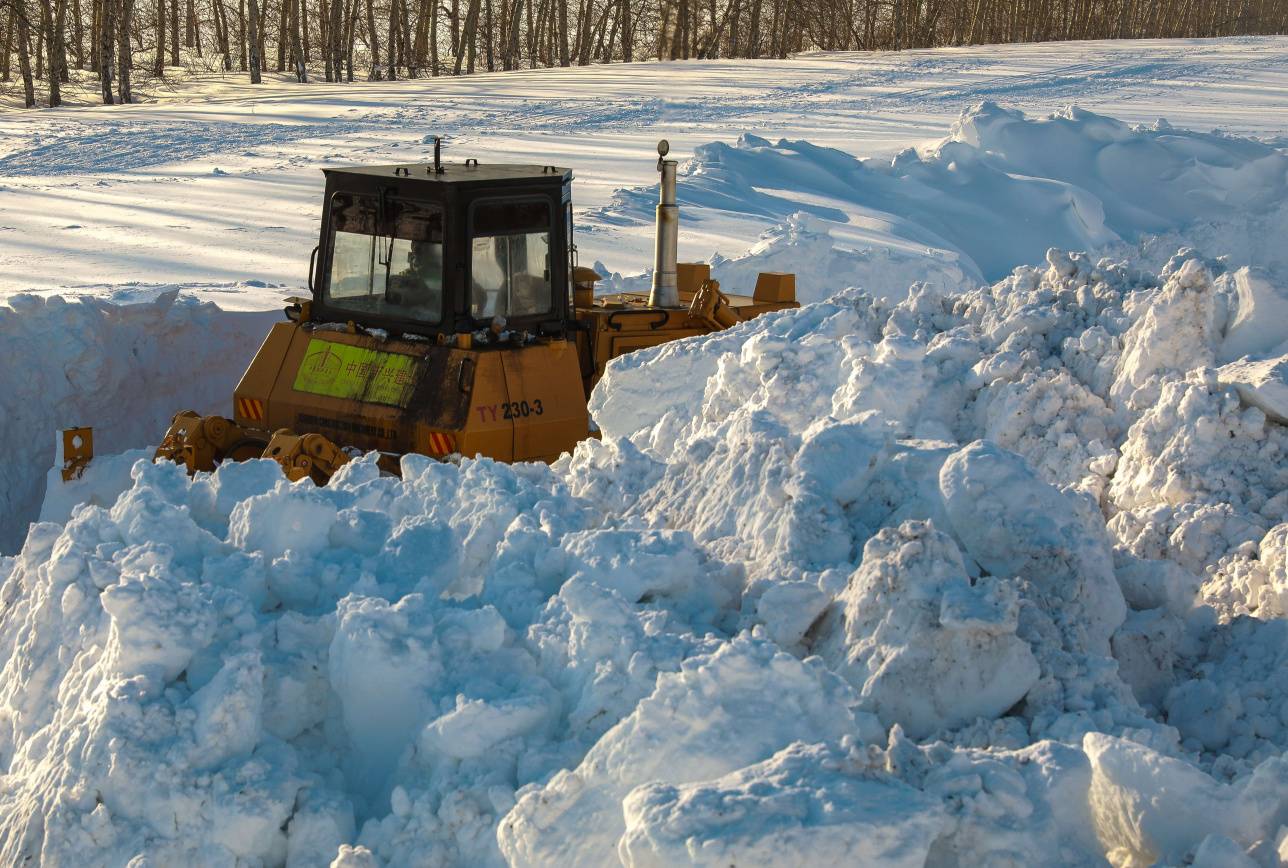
<point x="283" y="21"/>
<point x="7" y="47"/>
<point x="336" y="31"/>
<point x="376" y="73"/>
<point x="126" y="59"/>
<point x="297" y="51"/>
<point x="254" y="60"/>
<point x="107" y="48"/>
<point x="158" y="65"/>
<point x="24" y="55"/>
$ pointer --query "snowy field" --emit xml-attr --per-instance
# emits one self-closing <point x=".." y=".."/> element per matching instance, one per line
<point x="979" y="558"/>
<point x="220" y="184"/>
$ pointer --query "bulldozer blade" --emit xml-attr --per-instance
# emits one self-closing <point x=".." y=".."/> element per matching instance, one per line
<point x="78" y="451"/>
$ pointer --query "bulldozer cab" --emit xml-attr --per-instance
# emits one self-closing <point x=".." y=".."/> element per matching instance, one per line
<point x="442" y="249"/>
<point x="447" y="318"/>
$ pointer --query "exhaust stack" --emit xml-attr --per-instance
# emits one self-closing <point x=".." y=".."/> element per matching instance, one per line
<point x="666" y="250"/>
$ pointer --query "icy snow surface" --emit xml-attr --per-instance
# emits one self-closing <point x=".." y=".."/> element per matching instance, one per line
<point x="928" y="572"/>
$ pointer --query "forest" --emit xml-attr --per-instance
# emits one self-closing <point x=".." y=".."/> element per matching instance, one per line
<point x="111" y="47"/>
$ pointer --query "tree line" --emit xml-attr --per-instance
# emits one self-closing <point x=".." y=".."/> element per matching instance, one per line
<point x="47" y="44"/>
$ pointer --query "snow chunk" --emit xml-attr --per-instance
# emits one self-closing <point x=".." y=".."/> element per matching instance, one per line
<point x="1150" y="808"/>
<point x="804" y="799"/>
<point x="1261" y="309"/>
<point x="1014" y="524"/>
<point x="1263" y="385"/>
<point x="731" y="709"/>
<point x="925" y="647"/>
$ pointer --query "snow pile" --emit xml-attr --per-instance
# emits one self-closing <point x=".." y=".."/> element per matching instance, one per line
<point x="992" y="576"/>
<point x="1001" y="578"/>
<point x="1001" y="188"/>
<point x="123" y="368"/>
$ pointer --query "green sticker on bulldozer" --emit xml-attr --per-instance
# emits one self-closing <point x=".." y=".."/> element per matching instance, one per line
<point x="356" y="373"/>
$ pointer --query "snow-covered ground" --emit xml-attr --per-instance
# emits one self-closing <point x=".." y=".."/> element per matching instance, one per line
<point x="978" y="558"/>
<point x="220" y="184"/>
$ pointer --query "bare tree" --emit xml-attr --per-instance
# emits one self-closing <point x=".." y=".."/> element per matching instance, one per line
<point x="158" y="63"/>
<point x="125" y="14"/>
<point x="297" y="52"/>
<point x="18" y="10"/>
<point x="107" y="47"/>
<point x="6" y="45"/>
<point x="47" y="31"/>
<point x="335" y="48"/>
<point x="78" y="35"/>
<point x="374" y="42"/>
<point x="388" y="36"/>
<point x="253" y="42"/>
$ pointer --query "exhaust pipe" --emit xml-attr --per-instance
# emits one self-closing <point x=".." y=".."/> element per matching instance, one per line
<point x="666" y="291"/>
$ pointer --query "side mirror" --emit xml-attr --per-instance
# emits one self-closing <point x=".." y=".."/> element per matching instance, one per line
<point x="299" y="309"/>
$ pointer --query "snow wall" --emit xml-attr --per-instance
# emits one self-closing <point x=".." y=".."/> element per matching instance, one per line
<point x="125" y="369"/>
<point x="995" y="576"/>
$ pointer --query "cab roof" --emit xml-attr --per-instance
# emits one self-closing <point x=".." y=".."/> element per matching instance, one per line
<point x="470" y="172"/>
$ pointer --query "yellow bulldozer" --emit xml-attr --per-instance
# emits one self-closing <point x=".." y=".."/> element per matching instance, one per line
<point x="447" y="316"/>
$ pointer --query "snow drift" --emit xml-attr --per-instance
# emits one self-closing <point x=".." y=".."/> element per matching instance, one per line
<point x="123" y="368"/>
<point x="990" y="576"/>
<point x="999" y="190"/>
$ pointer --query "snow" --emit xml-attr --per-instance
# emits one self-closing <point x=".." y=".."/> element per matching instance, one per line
<point x="123" y="368"/>
<point x="978" y="558"/>
<point x="967" y="661"/>
<point x="806" y="798"/>
<point x="217" y="186"/>
<point x="1150" y="808"/>
<point x="1261" y="384"/>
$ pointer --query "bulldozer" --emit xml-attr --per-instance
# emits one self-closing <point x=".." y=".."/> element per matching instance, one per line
<point x="447" y="316"/>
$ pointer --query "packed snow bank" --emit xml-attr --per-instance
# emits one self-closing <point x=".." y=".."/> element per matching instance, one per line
<point x="1003" y="579"/>
<point x="123" y="368"/>
<point x="1001" y="188"/>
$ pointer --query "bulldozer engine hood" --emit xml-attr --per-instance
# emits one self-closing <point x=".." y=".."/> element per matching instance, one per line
<point x="397" y="396"/>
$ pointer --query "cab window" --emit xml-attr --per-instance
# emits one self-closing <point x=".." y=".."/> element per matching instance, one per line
<point x="510" y="258"/>
<point x="386" y="259"/>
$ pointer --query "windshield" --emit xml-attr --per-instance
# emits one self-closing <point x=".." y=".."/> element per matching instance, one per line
<point x="510" y="259"/>
<point x="388" y="264"/>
